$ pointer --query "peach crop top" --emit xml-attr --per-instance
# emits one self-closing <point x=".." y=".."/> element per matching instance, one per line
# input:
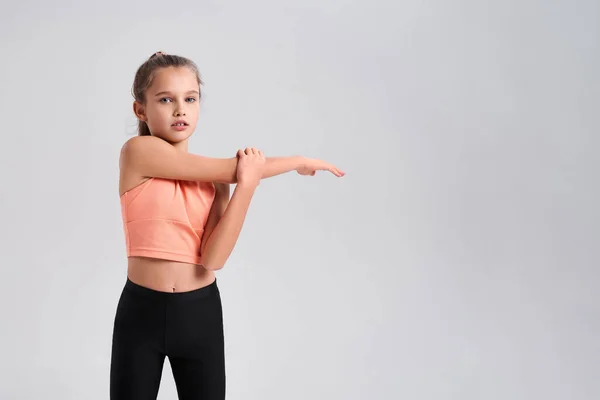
<point x="165" y="218"/>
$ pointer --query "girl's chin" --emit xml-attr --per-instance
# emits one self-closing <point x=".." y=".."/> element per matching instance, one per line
<point x="174" y="136"/>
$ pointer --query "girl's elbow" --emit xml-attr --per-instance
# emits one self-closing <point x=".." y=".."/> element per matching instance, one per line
<point x="212" y="265"/>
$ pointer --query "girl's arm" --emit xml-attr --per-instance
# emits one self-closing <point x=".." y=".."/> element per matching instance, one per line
<point x="219" y="205"/>
<point x="219" y="243"/>
<point x="150" y="156"/>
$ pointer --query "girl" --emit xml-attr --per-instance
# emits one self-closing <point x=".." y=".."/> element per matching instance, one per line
<point x="180" y="227"/>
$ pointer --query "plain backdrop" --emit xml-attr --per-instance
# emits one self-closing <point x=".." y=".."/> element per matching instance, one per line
<point x="457" y="259"/>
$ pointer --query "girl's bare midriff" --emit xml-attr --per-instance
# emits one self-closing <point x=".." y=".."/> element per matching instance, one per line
<point x="168" y="276"/>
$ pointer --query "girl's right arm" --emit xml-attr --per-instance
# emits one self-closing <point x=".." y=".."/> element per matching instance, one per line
<point x="150" y="156"/>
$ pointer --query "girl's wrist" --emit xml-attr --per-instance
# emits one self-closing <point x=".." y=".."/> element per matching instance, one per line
<point x="299" y="162"/>
<point x="246" y="187"/>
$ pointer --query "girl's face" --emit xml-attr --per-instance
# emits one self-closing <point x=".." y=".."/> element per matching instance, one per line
<point x="172" y="104"/>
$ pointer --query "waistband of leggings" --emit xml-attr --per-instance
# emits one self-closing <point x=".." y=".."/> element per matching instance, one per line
<point x="199" y="293"/>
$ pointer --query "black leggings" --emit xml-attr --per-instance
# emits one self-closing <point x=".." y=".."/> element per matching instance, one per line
<point x="187" y="327"/>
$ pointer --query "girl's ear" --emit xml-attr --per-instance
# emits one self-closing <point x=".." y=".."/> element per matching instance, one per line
<point x="139" y="111"/>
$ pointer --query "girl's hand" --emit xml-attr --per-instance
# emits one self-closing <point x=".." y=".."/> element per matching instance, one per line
<point x="250" y="166"/>
<point x="310" y="166"/>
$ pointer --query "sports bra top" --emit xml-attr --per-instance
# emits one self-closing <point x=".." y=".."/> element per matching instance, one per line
<point x="165" y="218"/>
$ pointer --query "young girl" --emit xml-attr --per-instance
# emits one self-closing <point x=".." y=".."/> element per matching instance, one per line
<point x="180" y="227"/>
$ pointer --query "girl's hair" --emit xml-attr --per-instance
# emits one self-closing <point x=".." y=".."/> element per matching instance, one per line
<point x="145" y="75"/>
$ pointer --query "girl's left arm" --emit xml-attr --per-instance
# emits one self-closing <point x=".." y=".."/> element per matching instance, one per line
<point x="222" y="195"/>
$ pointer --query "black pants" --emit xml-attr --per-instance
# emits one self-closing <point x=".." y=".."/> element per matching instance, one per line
<point x="187" y="327"/>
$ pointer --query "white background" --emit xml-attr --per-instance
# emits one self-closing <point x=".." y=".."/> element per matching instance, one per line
<point x="457" y="259"/>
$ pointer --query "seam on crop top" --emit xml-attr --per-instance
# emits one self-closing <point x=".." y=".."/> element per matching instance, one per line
<point x="185" y="210"/>
<point x="164" y="219"/>
<point x="137" y="187"/>
<point x="164" y="251"/>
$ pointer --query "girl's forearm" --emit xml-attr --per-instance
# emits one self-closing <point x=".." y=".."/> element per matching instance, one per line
<point x="279" y="165"/>
<point x="223" y="238"/>
<point x="273" y="166"/>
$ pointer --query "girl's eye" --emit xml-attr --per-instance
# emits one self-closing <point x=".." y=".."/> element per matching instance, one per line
<point x="167" y="99"/>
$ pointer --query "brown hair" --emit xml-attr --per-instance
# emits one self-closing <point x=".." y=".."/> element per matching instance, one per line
<point x="145" y="75"/>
